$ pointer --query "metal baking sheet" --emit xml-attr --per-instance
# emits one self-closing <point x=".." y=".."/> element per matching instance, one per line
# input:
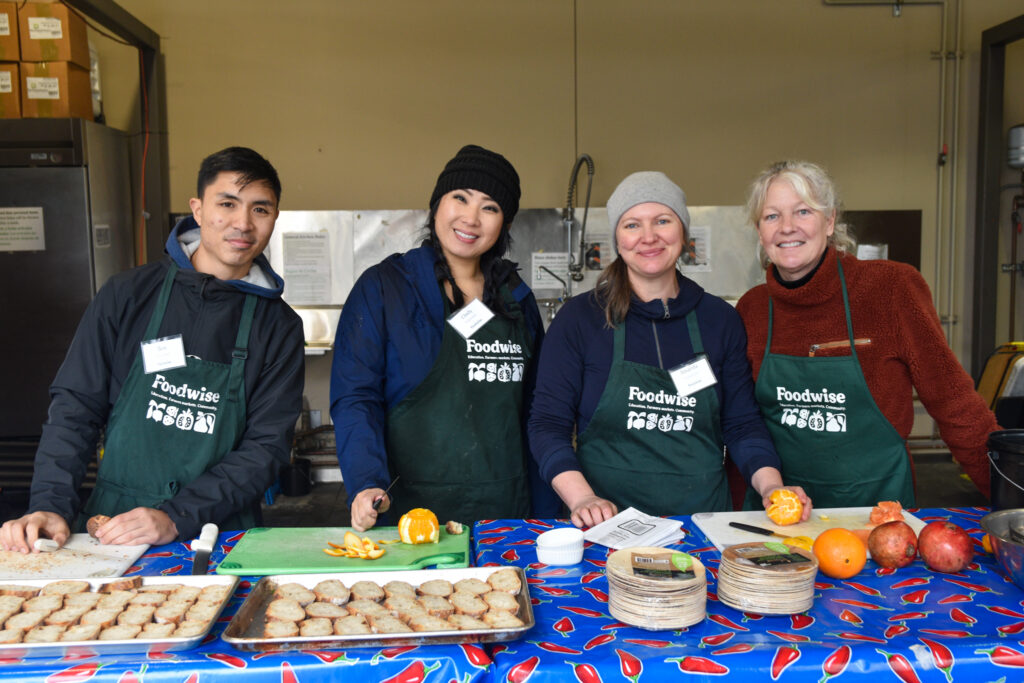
<point x="245" y="632"/>
<point x="110" y="647"/>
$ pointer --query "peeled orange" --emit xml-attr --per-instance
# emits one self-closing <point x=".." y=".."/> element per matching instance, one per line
<point x="785" y="507"/>
<point x="841" y="554"/>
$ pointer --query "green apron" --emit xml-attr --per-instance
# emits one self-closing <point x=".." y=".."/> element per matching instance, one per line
<point x="455" y="441"/>
<point x="830" y="434"/>
<point x="170" y="426"/>
<point x="648" y="448"/>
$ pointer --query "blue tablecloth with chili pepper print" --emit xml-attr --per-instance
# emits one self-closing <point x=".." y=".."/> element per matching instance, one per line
<point x="215" y="660"/>
<point x="908" y="625"/>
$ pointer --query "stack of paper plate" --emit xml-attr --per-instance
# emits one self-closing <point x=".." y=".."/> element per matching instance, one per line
<point x="767" y="578"/>
<point x="656" y="588"/>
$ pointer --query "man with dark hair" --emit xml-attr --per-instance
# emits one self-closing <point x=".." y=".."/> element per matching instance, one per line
<point x="187" y="372"/>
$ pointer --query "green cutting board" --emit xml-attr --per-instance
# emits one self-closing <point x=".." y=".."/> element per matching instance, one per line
<point x="300" y="550"/>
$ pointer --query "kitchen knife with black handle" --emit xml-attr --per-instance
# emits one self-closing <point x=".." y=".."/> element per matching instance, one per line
<point x="203" y="546"/>
<point x="757" y="530"/>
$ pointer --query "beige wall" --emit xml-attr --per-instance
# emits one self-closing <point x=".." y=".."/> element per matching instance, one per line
<point x="359" y="103"/>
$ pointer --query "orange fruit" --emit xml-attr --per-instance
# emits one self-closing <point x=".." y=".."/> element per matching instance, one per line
<point x="418" y="525"/>
<point x="886" y="511"/>
<point x="840" y="553"/>
<point x="785" y="507"/>
<point x="986" y="543"/>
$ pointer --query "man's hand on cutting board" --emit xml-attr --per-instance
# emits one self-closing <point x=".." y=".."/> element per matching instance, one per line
<point x="21" y="534"/>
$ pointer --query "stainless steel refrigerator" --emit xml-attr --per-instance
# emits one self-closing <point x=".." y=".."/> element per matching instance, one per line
<point x="65" y="228"/>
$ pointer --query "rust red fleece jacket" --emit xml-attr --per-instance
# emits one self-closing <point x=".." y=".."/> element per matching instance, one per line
<point x="891" y="305"/>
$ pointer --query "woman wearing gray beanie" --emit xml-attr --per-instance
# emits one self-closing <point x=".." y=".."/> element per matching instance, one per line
<point x="438" y="409"/>
<point x="650" y="372"/>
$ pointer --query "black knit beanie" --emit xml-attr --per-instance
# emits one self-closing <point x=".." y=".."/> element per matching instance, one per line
<point x="476" y="168"/>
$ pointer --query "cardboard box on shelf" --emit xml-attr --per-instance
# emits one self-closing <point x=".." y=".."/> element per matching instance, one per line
<point x="9" y="51"/>
<point x="10" y="91"/>
<point x="50" y="32"/>
<point x="55" y="90"/>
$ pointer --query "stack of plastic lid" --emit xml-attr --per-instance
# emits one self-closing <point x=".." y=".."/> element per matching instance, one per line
<point x="767" y="578"/>
<point x="656" y="588"/>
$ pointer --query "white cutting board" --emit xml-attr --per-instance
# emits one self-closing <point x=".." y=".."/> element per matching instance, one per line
<point x="715" y="525"/>
<point x="94" y="561"/>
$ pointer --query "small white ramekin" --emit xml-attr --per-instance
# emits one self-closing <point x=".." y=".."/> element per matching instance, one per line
<point x="560" y="546"/>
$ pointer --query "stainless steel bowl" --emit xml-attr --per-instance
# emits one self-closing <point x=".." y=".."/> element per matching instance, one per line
<point x="1002" y="527"/>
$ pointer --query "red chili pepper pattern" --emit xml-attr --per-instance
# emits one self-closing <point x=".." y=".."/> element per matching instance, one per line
<point x="414" y="673"/>
<point x="224" y="658"/>
<point x="784" y="657"/>
<point x="959" y="597"/>
<point x="1004" y="611"/>
<point x="896" y="630"/>
<point x="650" y="643"/>
<point x="726" y="622"/>
<point x="790" y="637"/>
<point x="564" y="626"/>
<point x="699" y="665"/>
<point x="847" y="635"/>
<point x="555" y="647"/>
<point x="629" y="665"/>
<point x="900" y="666"/>
<point x="958" y="615"/>
<point x="978" y="588"/>
<point x="716" y="639"/>
<point x="599" y="640"/>
<point x="584" y="612"/>
<point x="836" y="662"/>
<point x="907" y="583"/>
<point x="476" y="655"/>
<point x="510" y="555"/>
<point x="859" y="603"/>
<point x="1004" y="656"/>
<point x="734" y="649"/>
<point x="946" y="633"/>
<point x="915" y="597"/>
<point x="598" y="595"/>
<point x="522" y="671"/>
<point x="800" y="621"/>
<point x="586" y="673"/>
<point x="942" y="656"/>
<point x="866" y="590"/>
<point x="850" y="618"/>
<point x="75" y="674"/>
<point x="907" y="616"/>
<point x="1012" y="629"/>
<point x="287" y="675"/>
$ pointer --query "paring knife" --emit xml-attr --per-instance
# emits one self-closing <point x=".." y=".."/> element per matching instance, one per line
<point x="380" y="501"/>
<point x="757" y="530"/>
<point x="202" y="547"/>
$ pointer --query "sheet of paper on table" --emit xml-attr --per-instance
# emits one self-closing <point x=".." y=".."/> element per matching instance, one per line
<point x="632" y="528"/>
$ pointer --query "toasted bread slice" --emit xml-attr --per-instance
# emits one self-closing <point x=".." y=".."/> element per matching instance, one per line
<point x="404" y="607"/>
<point x="25" y="620"/>
<point x="86" y="600"/>
<point x="164" y="630"/>
<point x="469" y="604"/>
<point x="316" y="626"/>
<point x="428" y="622"/>
<point x="474" y="586"/>
<point x="120" y="632"/>
<point x="502" y="601"/>
<point x="171" y="612"/>
<point x="139" y="615"/>
<point x="393" y="588"/>
<point x="437" y="606"/>
<point x="165" y="588"/>
<point x="66" y="617"/>
<point x="438" y="587"/>
<point x="153" y="598"/>
<point x="191" y="629"/>
<point x="327" y="610"/>
<point x="353" y="624"/>
<point x="332" y="591"/>
<point x="19" y="591"/>
<point x="9" y="636"/>
<point x="102" y="617"/>
<point x="389" y="624"/>
<point x="296" y="592"/>
<point x="368" y="608"/>
<point x="366" y="590"/>
<point x="114" y="600"/>
<point x="44" y="634"/>
<point x="186" y="594"/>
<point x="506" y="580"/>
<point x="65" y="587"/>
<point x="11" y="603"/>
<point x="285" y="609"/>
<point x="81" y="632"/>
<point x="499" y="618"/>
<point x="207" y="611"/>
<point x="43" y="603"/>
<point x="280" y="629"/>
<point x="216" y="593"/>
<point x="464" y="622"/>
<point x="122" y="584"/>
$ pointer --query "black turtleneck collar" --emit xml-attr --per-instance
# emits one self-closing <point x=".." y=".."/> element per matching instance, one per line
<point x="794" y="284"/>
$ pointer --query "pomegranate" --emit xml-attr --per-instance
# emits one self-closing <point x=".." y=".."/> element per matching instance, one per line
<point x="893" y="544"/>
<point x="945" y="547"/>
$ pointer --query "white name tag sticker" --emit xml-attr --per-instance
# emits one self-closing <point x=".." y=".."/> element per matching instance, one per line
<point x="166" y="353"/>
<point x="470" y="318"/>
<point x="693" y="376"/>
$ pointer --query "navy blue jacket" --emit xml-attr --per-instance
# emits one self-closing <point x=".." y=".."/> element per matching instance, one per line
<point x="577" y="357"/>
<point x="206" y="312"/>
<point x="388" y="338"/>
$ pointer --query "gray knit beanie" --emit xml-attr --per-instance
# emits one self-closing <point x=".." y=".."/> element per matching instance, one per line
<point x="642" y="187"/>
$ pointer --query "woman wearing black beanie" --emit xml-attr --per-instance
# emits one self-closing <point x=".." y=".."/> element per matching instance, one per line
<point x="441" y="406"/>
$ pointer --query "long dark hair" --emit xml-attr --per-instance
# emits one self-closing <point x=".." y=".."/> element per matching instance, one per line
<point x="614" y="292"/>
<point x="497" y="271"/>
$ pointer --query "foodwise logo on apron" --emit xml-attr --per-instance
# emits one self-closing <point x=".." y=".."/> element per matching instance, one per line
<point x="659" y="410"/>
<point x="819" y="411"/>
<point x="182" y="407"/>
<point x="497" y="361"/>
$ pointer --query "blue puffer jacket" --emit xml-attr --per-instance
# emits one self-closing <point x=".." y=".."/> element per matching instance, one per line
<point x="388" y="338"/>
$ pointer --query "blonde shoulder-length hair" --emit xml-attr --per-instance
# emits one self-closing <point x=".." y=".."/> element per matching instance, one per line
<point x="814" y="186"/>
